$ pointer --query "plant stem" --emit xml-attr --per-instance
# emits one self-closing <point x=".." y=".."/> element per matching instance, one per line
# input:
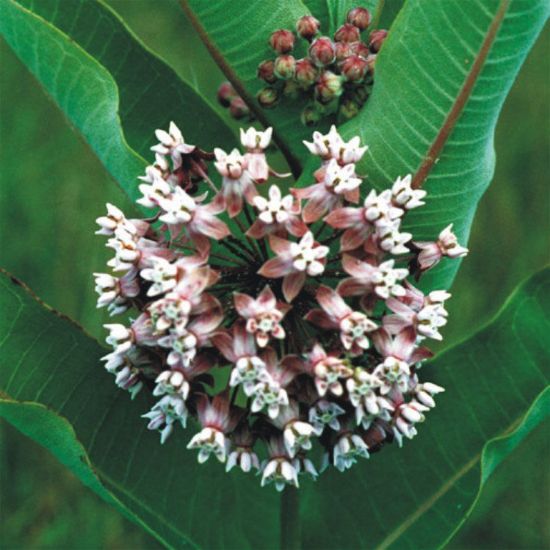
<point x="290" y="519"/>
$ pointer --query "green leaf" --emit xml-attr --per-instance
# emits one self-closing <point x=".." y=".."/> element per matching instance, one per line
<point x="237" y="36"/>
<point x="114" y="91"/>
<point x="441" y="79"/>
<point x="411" y="497"/>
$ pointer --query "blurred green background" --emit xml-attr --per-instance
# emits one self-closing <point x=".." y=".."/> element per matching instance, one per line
<point x="52" y="189"/>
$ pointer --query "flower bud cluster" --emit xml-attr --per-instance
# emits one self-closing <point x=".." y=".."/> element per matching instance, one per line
<point x="335" y="77"/>
<point x="298" y="303"/>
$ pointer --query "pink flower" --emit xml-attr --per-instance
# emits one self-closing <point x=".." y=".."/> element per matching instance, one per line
<point x="184" y="343"/>
<point x="256" y="143"/>
<point x="353" y="325"/>
<point x="381" y="279"/>
<point x="327" y="369"/>
<point x="294" y="261"/>
<point x="446" y="245"/>
<point x="425" y="313"/>
<point x="237" y="181"/>
<point x="377" y="212"/>
<point x="239" y="347"/>
<point x="132" y="251"/>
<point x="402" y="346"/>
<point x="183" y="212"/>
<point x="277" y="215"/>
<point x="172" y="143"/>
<point x="332" y="146"/>
<point x="335" y="183"/>
<point x="263" y="315"/>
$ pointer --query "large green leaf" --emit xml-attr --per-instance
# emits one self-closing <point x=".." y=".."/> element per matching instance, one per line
<point x="107" y="83"/>
<point x="411" y="497"/>
<point x="441" y="79"/>
<point x="237" y="35"/>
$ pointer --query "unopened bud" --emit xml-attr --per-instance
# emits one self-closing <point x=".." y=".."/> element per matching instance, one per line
<point x="306" y="73"/>
<point x="285" y="67"/>
<point x="342" y="50"/>
<point x="291" y="89"/>
<point x="376" y="40"/>
<point x="360" y="94"/>
<point x="322" y="51"/>
<point x="328" y="87"/>
<point x="371" y="60"/>
<point x="310" y="116"/>
<point x="360" y="48"/>
<point x="226" y="93"/>
<point x="360" y="17"/>
<point x="354" y="68"/>
<point x="349" y="108"/>
<point x="347" y="33"/>
<point x="238" y="108"/>
<point x="307" y="27"/>
<point x="265" y="71"/>
<point x="282" y="41"/>
<point x="268" y="97"/>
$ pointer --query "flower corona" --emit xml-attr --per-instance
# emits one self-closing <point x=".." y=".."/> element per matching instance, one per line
<point x="298" y="302"/>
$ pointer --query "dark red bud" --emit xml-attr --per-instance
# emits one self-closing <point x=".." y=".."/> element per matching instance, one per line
<point x="282" y="41"/>
<point x="329" y="87"/>
<point x="306" y="72"/>
<point x="354" y="68"/>
<point x="268" y="97"/>
<point x="371" y="60"/>
<point x="360" y="48"/>
<point x="238" y="108"/>
<point x="285" y="67"/>
<point x="307" y="27"/>
<point x="226" y="93"/>
<point x="265" y="71"/>
<point x="376" y="40"/>
<point x="347" y="33"/>
<point x="360" y="17"/>
<point x="322" y="51"/>
<point x="343" y="50"/>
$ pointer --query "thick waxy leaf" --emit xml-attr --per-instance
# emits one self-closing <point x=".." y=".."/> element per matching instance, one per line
<point x="109" y="86"/>
<point x="441" y="79"/>
<point x="415" y="496"/>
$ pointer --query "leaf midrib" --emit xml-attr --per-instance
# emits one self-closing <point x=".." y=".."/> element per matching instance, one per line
<point x="462" y="98"/>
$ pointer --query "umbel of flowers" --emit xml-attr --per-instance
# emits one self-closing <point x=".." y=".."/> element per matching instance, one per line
<point x="296" y="306"/>
<point x="334" y="75"/>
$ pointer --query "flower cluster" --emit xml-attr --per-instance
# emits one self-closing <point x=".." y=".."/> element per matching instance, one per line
<point x="297" y="302"/>
<point x="334" y="77"/>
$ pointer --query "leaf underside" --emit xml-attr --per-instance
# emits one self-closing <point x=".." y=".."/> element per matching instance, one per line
<point x="411" y="497"/>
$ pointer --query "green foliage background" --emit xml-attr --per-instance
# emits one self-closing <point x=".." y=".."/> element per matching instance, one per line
<point x="52" y="188"/>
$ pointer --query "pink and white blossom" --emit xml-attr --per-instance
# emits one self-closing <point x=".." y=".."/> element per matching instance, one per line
<point x="294" y="262"/>
<point x="263" y="315"/>
<point x="236" y="180"/>
<point x="256" y="143"/>
<point x="277" y="214"/>
<point x="354" y="326"/>
<point x="446" y="245"/>
<point x="335" y="184"/>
